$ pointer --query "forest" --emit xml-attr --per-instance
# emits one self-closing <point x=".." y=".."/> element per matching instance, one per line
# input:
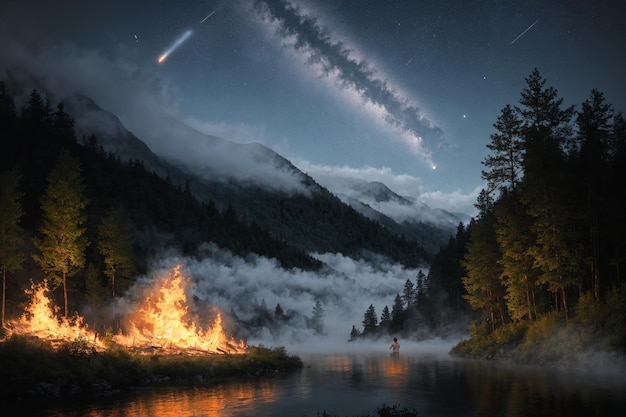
<point x="540" y="266"/>
<point x="90" y="223"/>
<point x="536" y="274"/>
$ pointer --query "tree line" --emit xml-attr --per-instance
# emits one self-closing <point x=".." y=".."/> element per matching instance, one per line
<point x="87" y="222"/>
<point x="546" y="252"/>
<point x="419" y="311"/>
<point x="548" y="246"/>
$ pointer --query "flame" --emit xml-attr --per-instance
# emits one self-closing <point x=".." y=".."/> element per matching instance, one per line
<point x="40" y="320"/>
<point x="164" y="321"/>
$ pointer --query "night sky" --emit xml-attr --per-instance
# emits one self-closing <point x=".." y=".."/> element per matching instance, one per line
<point x="403" y="92"/>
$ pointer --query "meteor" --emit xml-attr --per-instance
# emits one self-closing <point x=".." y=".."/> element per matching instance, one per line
<point x="209" y="15"/>
<point x="522" y="34"/>
<point x="174" y="46"/>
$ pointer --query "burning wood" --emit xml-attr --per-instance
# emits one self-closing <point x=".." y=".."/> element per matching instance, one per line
<point x="40" y="320"/>
<point x="161" y="322"/>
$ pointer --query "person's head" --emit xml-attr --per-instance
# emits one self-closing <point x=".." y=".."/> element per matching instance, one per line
<point x="395" y="339"/>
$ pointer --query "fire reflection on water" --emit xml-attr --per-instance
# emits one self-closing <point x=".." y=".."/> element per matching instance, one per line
<point x="218" y="400"/>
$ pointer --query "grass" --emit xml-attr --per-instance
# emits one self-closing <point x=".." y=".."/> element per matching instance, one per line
<point x="31" y="367"/>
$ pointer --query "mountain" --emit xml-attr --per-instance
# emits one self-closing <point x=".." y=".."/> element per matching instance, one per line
<point x="430" y="228"/>
<point x="271" y="191"/>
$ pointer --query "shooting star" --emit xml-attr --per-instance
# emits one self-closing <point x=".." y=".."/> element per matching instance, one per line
<point x="522" y="34"/>
<point x="209" y="15"/>
<point x="175" y="45"/>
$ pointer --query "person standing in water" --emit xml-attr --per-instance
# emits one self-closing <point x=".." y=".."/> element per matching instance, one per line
<point x="395" y="346"/>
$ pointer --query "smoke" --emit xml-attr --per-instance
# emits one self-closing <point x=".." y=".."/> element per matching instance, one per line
<point x="247" y="289"/>
<point x="359" y="80"/>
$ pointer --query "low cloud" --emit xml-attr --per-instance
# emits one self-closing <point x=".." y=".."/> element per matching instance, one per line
<point x="344" y="180"/>
<point x="145" y="105"/>
<point x="345" y="290"/>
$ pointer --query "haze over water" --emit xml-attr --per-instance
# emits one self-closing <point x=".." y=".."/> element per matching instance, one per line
<point x="356" y="384"/>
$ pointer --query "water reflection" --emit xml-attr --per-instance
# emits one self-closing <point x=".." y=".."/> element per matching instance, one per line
<point x="350" y="385"/>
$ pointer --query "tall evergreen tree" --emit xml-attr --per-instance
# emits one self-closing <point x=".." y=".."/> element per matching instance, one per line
<point x="115" y="243"/>
<point x="397" y="313"/>
<point x="515" y="239"/>
<point x="591" y="156"/>
<point x="370" y="320"/>
<point x="385" y="318"/>
<point x="545" y="190"/>
<point x="11" y="233"/>
<point x="408" y="295"/>
<point x="503" y="168"/>
<point x="63" y="241"/>
<point x="616" y="204"/>
<point x="318" y="317"/>
<point x="484" y="290"/>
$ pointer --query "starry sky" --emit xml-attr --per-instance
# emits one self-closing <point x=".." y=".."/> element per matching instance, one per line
<point x="398" y="91"/>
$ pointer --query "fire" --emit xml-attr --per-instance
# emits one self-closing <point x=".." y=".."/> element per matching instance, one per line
<point x="163" y="321"/>
<point x="40" y="320"/>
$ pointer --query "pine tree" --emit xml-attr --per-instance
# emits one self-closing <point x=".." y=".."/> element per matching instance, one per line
<point x="116" y="246"/>
<point x="370" y="320"/>
<point x="420" y="289"/>
<point x="385" y="318"/>
<point x="515" y="239"/>
<point x="545" y="190"/>
<point x="504" y="166"/>
<point x="484" y="290"/>
<point x="278" y="312"/>
<point x="318" y="317"/>
<point x="397" y="313"/>
<point x="408" y="295"/>
<point x="63" y="242"/>
<point x="592" y="151"/>
<point x="11" y="233"/>
<point x="354" y="333"/>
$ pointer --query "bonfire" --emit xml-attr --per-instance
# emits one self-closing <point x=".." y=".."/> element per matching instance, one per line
<point x="162" y="320"/>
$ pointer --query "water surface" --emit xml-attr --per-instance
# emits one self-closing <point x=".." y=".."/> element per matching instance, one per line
<point x="356" y="384"/>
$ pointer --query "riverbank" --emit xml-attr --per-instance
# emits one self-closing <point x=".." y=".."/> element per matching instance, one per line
<point x="31" y="368"/>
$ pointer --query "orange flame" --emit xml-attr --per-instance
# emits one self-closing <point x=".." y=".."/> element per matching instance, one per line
<point x="161" y="321"/>
<point x="40" y="320"/>
<point x="164" y="321"/>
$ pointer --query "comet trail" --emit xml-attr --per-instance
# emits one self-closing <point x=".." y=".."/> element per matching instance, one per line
<point x="174" y="46"/>
<point x="209" y="15"/>
<point x="522" y="34"/>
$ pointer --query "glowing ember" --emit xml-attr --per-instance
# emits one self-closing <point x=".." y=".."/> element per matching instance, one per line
<point x="163" y="321"/>
<point x="41" y="320"/>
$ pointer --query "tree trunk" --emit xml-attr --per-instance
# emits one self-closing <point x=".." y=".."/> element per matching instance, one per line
<point x="4" y="291"/>
<point x="564" y="303"/>
<point x="65" y="292"/>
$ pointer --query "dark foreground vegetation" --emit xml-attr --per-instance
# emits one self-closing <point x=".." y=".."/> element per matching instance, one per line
<point x="31" y="368"/>
<point x="383" y="411"/>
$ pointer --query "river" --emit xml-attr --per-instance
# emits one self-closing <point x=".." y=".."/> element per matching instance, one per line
<point x="357" y="384"/>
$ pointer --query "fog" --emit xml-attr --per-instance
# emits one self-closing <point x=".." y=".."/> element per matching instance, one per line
<point x="241" y="288"/>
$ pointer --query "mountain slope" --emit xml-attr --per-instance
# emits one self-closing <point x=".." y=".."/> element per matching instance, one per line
<point x="293" y="208"/>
